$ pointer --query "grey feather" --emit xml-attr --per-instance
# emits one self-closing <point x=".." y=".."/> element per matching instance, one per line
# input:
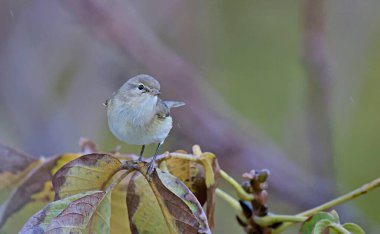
<point x="163" y="107"/>
<point x="174" y="104"/>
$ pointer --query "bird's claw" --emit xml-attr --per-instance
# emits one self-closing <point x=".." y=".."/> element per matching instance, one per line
<point x="150" y="170"/>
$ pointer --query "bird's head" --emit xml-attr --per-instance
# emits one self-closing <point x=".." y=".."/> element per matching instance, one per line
<point x="141" y="89"/>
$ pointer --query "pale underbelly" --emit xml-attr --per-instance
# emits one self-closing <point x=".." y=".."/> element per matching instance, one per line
<point x="155" y="132"/>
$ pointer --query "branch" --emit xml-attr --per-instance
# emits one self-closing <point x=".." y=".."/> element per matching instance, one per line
<point x="317" y="105"/>
<point x="200" y="121"/>
<point x="238" y="188"/>
<point x="347" y="197"/>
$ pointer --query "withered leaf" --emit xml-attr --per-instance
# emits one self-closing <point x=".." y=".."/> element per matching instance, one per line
<point x="87" y="212"/>
<point x="144" y="212"/>
<point x="201" y="177"/>
<point x="33" y="192"/>
<point x="191" y="173"/>
<point x="178" y="206"/>
<point x="14" y="167"/>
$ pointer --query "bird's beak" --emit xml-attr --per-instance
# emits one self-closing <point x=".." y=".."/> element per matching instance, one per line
<point x="155" y="92"/>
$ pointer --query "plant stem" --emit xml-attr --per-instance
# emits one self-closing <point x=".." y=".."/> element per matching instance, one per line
<point x="262" y="221"/>
<point x="271" y="219"/>
<point x="117" y="180"/>
<point x="337" y="227"/>
<point x="230" y="200"/>
<point x="243" y="195"/>
<point x="349" y="196"/>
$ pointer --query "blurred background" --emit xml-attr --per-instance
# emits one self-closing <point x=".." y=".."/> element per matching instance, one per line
<point x="292" y="86"/>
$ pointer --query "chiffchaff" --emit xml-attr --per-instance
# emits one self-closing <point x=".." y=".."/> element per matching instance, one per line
<point x="137" y="116"/>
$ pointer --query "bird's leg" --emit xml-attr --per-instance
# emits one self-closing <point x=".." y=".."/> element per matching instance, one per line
<point x="151" y="163"/>
<point x="141" y="152"/>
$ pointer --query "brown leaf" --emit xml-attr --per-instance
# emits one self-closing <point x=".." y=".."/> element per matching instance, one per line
<point x="210" y="208"/>
<point x="14" y="166"/>
<point x="178" y="206"/>
<point x="38" y="180"/>
<point x="81" y="213"/>
<point x="33" y="192"/>
<point x="143" y="209"/>
<point x="190" y="173"/>
<point x="193" y="174"/>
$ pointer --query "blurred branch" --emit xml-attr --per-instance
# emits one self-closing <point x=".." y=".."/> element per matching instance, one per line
<point x="319" y="79"/>
<point x="364" y="189"/>
<point x="238" y="188"/>
<point x="200" y="121"/>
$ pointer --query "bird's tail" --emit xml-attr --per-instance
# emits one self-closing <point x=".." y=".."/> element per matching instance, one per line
<point x="174" y="104"/>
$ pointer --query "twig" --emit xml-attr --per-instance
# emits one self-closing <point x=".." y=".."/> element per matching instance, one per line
<point x="349" y="196"/>
<point x="230" y="200"/>
<point x="240" y="191"/>
<point x="271" y="219"/>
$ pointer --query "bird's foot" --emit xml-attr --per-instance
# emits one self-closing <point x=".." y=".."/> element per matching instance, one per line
<point x="150" y="169"/>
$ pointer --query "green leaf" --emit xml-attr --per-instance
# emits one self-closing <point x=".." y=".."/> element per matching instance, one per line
<point x="335" y="215"/>
<point x="321" y="225"/>
<point x="308" y="226"/>
<point x="353" y="228"/>
<point x="87" y="212"/>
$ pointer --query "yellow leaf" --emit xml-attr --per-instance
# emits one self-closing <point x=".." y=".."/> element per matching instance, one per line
<point x="62" y="160"/>
<point x="89" y="172"/>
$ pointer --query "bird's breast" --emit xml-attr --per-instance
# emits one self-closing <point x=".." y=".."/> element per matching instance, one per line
<point x="127" y="127"/>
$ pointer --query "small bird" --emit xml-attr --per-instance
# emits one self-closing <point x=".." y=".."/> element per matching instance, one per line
<point x="137" y="116"/>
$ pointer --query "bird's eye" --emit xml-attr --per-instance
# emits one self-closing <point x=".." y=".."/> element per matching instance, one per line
<point x="141" y="87"/>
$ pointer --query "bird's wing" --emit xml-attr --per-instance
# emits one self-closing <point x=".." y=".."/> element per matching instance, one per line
<point x="162" y="110"/>
<point x="163" y="107"/>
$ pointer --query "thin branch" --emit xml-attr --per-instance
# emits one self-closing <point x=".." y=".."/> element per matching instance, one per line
<point x="230" y="200"/>
<point x="272" y="219"/>
<point x="239" y="190"/>
<point x="347" y="197"/>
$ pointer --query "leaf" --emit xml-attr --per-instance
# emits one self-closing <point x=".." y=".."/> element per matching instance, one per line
<point x="210" y="208"/>
<point x="178" y="205"/>
<point x="63" y="160"/>
<point x="191" y="173"/>
<point x="174" y="208"/>
<point x="33" y="192"/>
<point x="335" y="215"/>
<point x="14" y="167"/>
<point x="353" y="228"/>
<point x="308" y="226"/>
<point x="143" y="209"/>
<point x="119" y="210"/>
<point x="321" y="226"/>
<point x="89" y="172"/>
<point x="80" y="213"/>
<point x="200" y="177"/>
<point x="212" y="177"/>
